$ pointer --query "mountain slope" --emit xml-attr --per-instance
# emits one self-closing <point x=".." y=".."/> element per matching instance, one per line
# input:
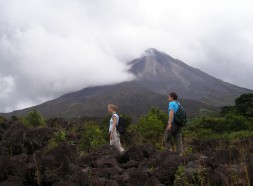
<point x="156" y="74"/>
<point x="131" y="98"/>
<point x="161" y="73"/>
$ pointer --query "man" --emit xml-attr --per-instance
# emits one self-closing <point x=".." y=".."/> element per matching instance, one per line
<point x="173" y="131"/>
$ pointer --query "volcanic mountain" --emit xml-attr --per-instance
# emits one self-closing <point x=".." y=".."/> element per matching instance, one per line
<point x="161" y="73"/>
<point x="156" y="74"/>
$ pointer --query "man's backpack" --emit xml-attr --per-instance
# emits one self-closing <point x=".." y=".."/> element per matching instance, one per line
<point x="180" y="116"/>
<point x="121" y="127"/>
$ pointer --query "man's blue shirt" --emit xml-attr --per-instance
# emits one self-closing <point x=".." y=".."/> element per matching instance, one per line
<point x="173" y="106"/>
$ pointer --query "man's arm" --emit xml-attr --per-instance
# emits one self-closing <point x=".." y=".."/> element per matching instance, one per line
<point x="171" y="116"/>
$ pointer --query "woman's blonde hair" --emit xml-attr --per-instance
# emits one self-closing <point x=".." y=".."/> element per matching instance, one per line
<point x="114" y="107"/>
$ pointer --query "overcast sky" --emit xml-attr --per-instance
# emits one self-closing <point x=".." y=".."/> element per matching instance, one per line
<point x="52" y="47"/>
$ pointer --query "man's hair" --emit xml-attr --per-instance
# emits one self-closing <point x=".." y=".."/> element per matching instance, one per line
<point x="173" y="95"/>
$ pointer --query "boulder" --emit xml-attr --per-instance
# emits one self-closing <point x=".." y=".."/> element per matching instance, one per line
<point x="114" y="172"/>
<point x="56" y="163"/>
<point x="13" y="139"/>
<point x="137" y="153"/>
<point x="204" y="145"/>
<point x="4" y="167"/>
<point x="227" y="156"/>
<point x="167" y="167"/>
<point x="13" y="169"/>
<point x="106" y="162"/>
<point x="134" y="176"/>
<point x="12" y="181"/>
<point x="17" y="166"/>
<point x="130" y="164"/>
<point x="249" y="163"/>
<point x="96" y="181"/>
<point x="64" y="183"/>
<point x="111" y="183"/>
<point x="90" y="159"/>
<point x="36" y="139"/>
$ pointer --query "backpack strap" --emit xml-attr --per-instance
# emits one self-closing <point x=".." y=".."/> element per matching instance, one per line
<point x="179" y="105"/>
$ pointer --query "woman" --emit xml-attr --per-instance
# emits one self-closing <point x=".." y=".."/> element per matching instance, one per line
<point x="114" y="135"/>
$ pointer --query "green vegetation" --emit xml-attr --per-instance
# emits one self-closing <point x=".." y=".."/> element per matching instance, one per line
<point x="58" y="138"/>
<point x="91" y="136"/>
<point x="34" y="119"/>
<point x="180" y="178"/>
<point x="209" y="127"/>
<point x="2" y="119"/>
<point x="149" y="128"/>
<point x="233" y="122"/>
<point x="244" y="105"/>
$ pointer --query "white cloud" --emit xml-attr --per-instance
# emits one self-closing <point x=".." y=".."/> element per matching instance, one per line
<point x="7" y="85"/>
<point x="48" y="48"/>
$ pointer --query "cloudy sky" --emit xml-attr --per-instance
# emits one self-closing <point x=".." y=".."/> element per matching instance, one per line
<point x="52" y="47"/>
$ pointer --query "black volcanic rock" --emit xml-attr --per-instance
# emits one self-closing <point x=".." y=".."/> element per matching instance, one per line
<point x="12" y="140"/>
<point x="138" y="165"/>
<point x="36" y="139"/>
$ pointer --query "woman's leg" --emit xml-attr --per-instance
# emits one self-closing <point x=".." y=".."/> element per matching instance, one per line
<point x="116" y="142"/>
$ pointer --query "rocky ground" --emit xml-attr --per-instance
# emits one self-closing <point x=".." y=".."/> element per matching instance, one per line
<point x="26" y="160"/>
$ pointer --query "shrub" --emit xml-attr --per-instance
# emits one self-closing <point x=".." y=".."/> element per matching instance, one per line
<point x="91" y="137"/>
<point x="244" y="105"/>
<point x="2" y="119"/>
<point x="150" y="128"/>
<point x="239" y="135"/>
<point x="228" y="110"/>
<point x="58" y="138"/>
<point x="34" y="119"/>
<point x="250" y="123"/>
<point x="219" y="125"/>
<point x="216" y="124"/>
<point x="14" y="118"/>
<point x="236" y="123"/>
<point x="180" y="177"/>
<point x="204" y="133"/>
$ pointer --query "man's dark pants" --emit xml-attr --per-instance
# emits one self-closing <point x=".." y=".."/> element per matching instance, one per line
<point x="174" y="135"/>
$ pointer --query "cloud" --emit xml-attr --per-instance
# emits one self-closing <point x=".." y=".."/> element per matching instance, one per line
<point x="49" y="48"/>
<point x="6" y="85"/>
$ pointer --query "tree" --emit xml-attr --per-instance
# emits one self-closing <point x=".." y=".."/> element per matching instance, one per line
<point x="244" y="105"/>
<point x="35" y="119"/>
<point x="14" y="118"/>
